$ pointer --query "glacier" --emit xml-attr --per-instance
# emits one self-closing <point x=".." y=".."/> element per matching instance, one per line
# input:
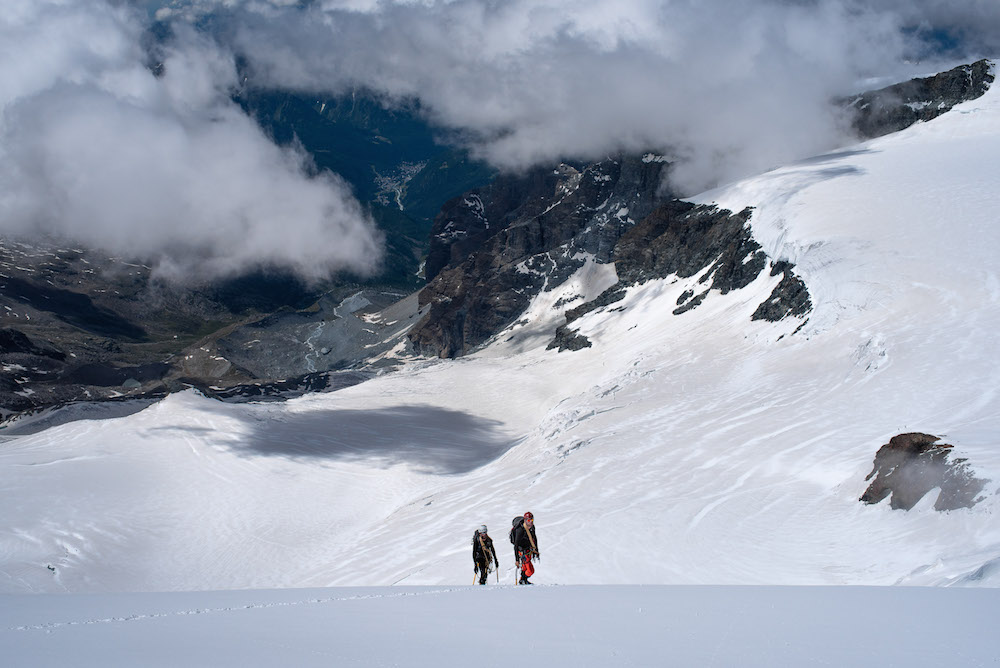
<point x="677" y="460"/>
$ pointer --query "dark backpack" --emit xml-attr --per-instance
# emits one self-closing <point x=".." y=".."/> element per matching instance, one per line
<point x="477" y="547"/>
<point x="515" y="523"/>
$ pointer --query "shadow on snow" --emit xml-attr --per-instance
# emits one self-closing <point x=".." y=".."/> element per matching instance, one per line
<point x="433" y="439"/>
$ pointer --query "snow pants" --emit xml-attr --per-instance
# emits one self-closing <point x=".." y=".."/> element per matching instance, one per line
<point x="525" y="566"/>
<point x="484" y="570"/>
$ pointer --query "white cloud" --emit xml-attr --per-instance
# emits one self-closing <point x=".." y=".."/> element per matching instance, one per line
<point x="730" y="87"/>
<point x="94" y="148"/>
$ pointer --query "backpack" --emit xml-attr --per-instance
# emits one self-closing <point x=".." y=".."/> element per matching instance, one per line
<point x="515" y="523"/>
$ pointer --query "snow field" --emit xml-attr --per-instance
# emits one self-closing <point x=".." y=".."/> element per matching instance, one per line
<point x="553" y="626"/>
<point x="694" y="449"/>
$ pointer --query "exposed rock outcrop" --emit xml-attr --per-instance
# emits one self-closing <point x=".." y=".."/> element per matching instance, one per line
<point x="13" y="342"/>
<point x="497" y="247"/>
<point x="682" y="239"/>
<point x="790" y="297"/>
<point x="911" y="465"/>
<point x="324" y="381"/>
<point x="494" y="281"/>
<point x="896" y="107"/>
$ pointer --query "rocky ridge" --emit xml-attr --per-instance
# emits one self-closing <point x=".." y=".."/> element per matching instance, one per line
<point x="682" y="239"/>
<point x="893" y="108"/>
<point x="492" y="254"/>
<point x="494" y="248"/>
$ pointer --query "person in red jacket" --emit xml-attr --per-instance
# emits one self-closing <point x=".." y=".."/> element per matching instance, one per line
<point x="525" y="547"/>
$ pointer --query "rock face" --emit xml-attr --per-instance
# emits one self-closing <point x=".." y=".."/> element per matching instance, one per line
<point x="325" y="381"/>
<point x="13" y="342"/>
<point x="496" y="261"/>
<point x="789" y="298"/>
<point x="494" y="248"/>
<point x="682" y="239"/>
<point x="891" y="109"/>
<point x="911" y="465"/>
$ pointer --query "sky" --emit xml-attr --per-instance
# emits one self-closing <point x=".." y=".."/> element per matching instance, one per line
<point x="96" y="149"/>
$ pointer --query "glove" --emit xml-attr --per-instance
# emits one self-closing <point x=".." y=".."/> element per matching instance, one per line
<point x="497" y="564"/>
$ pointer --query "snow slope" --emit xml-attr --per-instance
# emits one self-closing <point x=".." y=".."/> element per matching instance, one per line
<point x="572" y="626"/>
<point x="694" y="449"/>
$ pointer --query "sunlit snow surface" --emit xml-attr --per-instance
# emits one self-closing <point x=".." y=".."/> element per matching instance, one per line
<point x="699" y="449"/>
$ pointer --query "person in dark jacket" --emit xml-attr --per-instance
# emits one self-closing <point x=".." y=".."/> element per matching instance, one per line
<point x="525" y="547"/>
<point x="483" y="554"/>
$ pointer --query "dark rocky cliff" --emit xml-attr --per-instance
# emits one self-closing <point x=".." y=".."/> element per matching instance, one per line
<point x="498" y="260"/>
<point x="682" y="239"/>
<point x="899" y="106"/>
<point x="495" y="248"/>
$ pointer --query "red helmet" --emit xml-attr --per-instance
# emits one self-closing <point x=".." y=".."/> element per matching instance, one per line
<point x="529" y="516"/>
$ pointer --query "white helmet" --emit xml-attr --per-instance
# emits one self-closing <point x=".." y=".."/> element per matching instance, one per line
<point x="482" y="529"/>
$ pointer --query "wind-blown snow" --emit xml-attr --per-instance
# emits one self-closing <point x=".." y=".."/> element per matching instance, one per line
<point x="699" y="449"/>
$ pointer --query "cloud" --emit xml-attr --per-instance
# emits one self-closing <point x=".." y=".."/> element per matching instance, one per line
<point x="96" y="149"/>
<point x="726" y="87"/>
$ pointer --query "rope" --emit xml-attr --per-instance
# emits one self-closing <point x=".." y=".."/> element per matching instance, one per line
<point x="531" y="539"/>
<point x="486" y="554"/>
